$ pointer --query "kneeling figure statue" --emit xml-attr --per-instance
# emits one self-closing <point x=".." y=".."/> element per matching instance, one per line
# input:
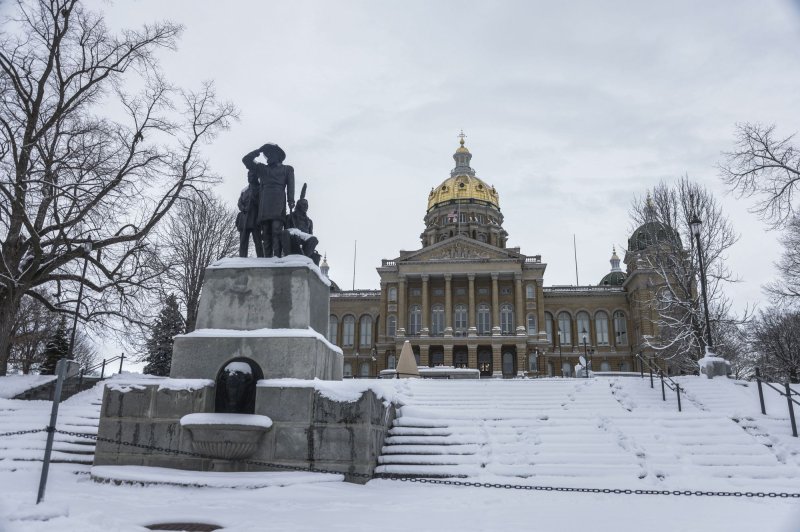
<point x="298" y="237"/>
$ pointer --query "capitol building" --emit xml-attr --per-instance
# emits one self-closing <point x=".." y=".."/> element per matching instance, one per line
<point x="465" y="299"/>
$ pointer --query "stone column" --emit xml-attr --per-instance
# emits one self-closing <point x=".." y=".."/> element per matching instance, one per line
<point x="471" y="311"/>
<point x="495" y="306"/>
<point x="448" y="310"/>
<point x="519" y="304"/>
<point x="540" y="311"/>
<point x="448" y="355"/>
<point x="497" y="361"/>
<point x="522" y="359"/>
<point x="402" y="313"/>
<point x="384" y="312"/>
<point x="426" y="311"/>
<point x="472" y="356"/>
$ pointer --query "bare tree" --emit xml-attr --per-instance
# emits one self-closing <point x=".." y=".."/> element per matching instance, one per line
<point x="73" y="180"/>
<point x="767" y="166"/>
<point x="33" y="326"/>
<point x="199" y="231"/>
<point x="666" y="247"/>
<point x="786" y="288"/>
<point x="776" y="337"/>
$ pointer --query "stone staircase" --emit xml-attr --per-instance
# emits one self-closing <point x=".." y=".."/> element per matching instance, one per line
<point x="79" y="413"/>
<point x="614" y="431"/>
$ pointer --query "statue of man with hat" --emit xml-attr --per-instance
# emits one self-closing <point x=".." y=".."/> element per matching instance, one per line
<point x="276" y="188"/>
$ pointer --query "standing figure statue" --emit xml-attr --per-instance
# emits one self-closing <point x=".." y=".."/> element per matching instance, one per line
<point x="247" y="219"/>
<point x="276" y="182"/>
<point x="298" y="237"/>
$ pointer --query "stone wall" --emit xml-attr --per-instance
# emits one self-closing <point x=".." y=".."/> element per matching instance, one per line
<point x="308" y="430"/>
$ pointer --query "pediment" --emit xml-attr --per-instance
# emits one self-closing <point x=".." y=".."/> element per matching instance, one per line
<point x="459" y="248"/>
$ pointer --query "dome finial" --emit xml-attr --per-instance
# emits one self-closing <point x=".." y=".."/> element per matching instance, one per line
<point x="461" y="137"/>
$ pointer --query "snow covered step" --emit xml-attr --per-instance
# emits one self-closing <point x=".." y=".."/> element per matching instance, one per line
<point x="431" y="449"/>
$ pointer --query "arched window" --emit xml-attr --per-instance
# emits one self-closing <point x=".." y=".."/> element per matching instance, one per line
<point x="333" y="329"/>
<point x="582" y="320"/>
<point x="364" y="371"/>
<point x="530" y="291"/>
<point x="533" y="362"/>
<point x="347" y="370"/>
<point x="460" y="319"/>
<point x="391" y="325"/>
<point x="548" y="327"/>
<point x="348" y="330"/>
<point x="437" y="320"/>
<point x="621" y="328"/>
<point x="484" y="319"/>
<point x="601" y="327"/>
<point x="414" y="319"/>
<point x="391" y="361"/>
<point x="392" y="293"/>
<point x="508" y="364"/>
<point x="564" y="328"/>
<point x="365" y="331"/>
<point x="531" y="323"/>
<point x="506" y="319"/>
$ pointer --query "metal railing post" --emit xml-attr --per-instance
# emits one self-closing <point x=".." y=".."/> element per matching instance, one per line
<point x="103" y="370"/>
<point x="663" y="392"/>
<point x="760" y="392"/>
<point x="791" y="409"/>
<point x="80" y="380"/>
<point x="678" y="391"/>
<point x="651" y="374"/>
<point x="61" y="371"/>
<point x="121" y="359"/>
<point x="641" y="368"/>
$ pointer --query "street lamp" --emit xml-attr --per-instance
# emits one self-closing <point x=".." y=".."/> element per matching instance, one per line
<point x="87" y="248"/>
<point x="585" y="353"/>
<point x="357" y="371"/>
<point x="696" y="224"/>
<point x="560" y="354"/>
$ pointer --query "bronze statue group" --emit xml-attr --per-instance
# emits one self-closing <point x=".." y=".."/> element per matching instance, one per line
<point x="262" y="209"/>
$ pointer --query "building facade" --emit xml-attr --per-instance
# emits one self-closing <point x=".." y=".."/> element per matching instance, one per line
<point x="466" y="300"/>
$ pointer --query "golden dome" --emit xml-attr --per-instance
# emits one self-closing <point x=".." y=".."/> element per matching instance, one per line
<point x="463" y="187"/>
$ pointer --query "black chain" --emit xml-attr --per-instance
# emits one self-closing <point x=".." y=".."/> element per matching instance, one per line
<point x="18" y="432"/>
<point x="446" y="482"/>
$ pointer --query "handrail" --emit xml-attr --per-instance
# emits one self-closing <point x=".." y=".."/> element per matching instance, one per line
<point x="788" y="394"/>
<point x="791" y="390"/>
<point x="669" y="383"/>
<point x="658" y="370"/>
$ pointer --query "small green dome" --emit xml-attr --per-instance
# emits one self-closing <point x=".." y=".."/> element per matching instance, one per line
<point x="613" y="279"/>
<point x="650" y="233"/>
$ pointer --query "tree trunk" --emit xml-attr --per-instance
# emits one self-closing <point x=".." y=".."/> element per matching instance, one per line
<point x="9" y="306"/>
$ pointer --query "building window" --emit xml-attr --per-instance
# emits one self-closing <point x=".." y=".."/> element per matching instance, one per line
<point x="416" y="291"/>
<point x="333" y="329"/>
<point x="507" y="319"/>
<point x="564" y="328"/>
<point x="460" y="318"/>
<point x="460" y="359"/>
<point x="365" y="331"/>
<point x="531" y="322"/>
<point x="530" y="291"/>
<point x="621" y="328"/>
<point x="391" y="325"/>
<point x="505" y="291"/>
<point x="437" y="358"/>
<point x="508" y="364"/>
<point x="461" y="291"/>
<point x="463" y="218"/>
<point x="364" y="371"/>
<point x="414" y="319"/>
<point x="548" y="327"/>
<point x="437" y="320"/>
<point x="484" y="319"/>
<point x="392" y="293"/>
<point x="347" y="369"/>
<point x="391" y="361"/>
<point x="348" y="330"/>
<point x="533" y="362"/>
<point x="582" y="319"/>
<point x="601" y="328"/>
<point x="483" y="291"/>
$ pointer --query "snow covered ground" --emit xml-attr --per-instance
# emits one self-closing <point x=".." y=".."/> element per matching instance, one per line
<point x="603" y="432"/>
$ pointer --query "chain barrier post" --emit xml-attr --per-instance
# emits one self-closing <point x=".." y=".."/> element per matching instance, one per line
<point x="760" y="392"/>
<point x="791" y="409"/>
<point x="103" y="369"/>
<point x="678" y="391"/>
<point x="61" y="371"/>
<point x="663" y="392"/>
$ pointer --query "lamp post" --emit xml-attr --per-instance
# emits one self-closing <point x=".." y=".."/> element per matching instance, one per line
<point x="585" y="353"/>
<point x="560" y="354"/>
<point x="357" y="372"/>
<point x="696" y="224"/>
<point x="373" y="353"/>
<point x="87" y="248"/>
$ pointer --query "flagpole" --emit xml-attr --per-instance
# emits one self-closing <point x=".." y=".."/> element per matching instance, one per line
<point x="355" y="249"/>
<point x="575" y="250"/>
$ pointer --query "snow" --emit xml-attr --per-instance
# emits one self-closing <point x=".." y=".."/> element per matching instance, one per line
<point x="299" y="234"/>
<point x="605" y="432"/>
<point x="348" y="391"/>
<point x="253" y="420"/>
<point x="239" y="367"/>
<point x="290" y="261"/>
<point x="126" y="382"/>
<point x="13" y="385"/>
<point x="262" y="333"/>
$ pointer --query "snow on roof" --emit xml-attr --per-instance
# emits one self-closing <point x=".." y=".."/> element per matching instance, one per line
<point x="261" y="333"/>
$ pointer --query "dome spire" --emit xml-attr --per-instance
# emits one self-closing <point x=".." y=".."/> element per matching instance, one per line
<point x="462" y="157"/>
<point x="324" y="268"/>
<point x="614" y="260"/>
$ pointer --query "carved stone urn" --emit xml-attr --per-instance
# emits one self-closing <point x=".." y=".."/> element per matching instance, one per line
<point x="226" y="436"/>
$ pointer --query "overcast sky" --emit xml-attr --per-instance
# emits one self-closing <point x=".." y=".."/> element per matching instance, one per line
<point x="570" y="109"/>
